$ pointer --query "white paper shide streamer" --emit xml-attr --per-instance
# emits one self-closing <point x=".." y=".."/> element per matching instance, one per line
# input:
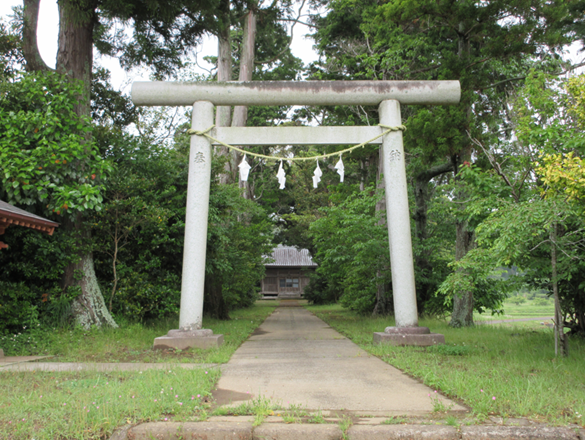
<point x="281" y="176"/>
<point x="317" y="175"/>
<point x="340" y="169"/>
<point x="244" y="167"/>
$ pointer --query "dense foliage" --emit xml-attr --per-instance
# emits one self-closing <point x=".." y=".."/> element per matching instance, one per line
<point x="44" y="156"/>
<point x="137" y="232"/>
<point x="352" y="253"/>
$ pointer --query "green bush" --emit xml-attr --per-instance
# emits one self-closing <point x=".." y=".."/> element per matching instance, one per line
<point x="318" y="290"/>
<point x="541" y="302"/>
<point x="23" y="308"/>
<point x="139" y="297"/>
<point x="517" y="299"/>
<point x="352" y="252"/>
<point x="18" y="307"/>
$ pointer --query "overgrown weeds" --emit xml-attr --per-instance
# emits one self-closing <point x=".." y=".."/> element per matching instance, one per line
<point x="87" y="405"/>
<point x="260" y="407"/>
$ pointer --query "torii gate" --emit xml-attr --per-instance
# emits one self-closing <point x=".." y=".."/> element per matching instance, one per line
<point x="387" y="94"/>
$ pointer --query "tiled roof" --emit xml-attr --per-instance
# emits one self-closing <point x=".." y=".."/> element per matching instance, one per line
<point x="291" y="256"/>
<point x="11" y="215"/>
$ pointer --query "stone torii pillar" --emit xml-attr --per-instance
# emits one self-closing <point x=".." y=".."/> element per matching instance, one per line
<point x="388" y="95"/>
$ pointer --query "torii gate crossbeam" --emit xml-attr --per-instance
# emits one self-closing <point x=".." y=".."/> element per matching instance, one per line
<point x="387" y="94"/>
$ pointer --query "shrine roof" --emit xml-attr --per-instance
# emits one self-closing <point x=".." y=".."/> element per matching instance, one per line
<point x="11" y="215"/>
<point x="290" y="256"/>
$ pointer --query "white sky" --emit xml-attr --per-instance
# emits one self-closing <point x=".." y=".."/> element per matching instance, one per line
<point x="301" y="47"/>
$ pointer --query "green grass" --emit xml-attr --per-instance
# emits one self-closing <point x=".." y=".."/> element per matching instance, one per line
<point x="84" y="405"/>
<point x="260" y="408"/>
<point x="529" y="309"/>
<point x="495" y="370"/>
<point x="90" y="405"/>
<point x="133" y="342"/>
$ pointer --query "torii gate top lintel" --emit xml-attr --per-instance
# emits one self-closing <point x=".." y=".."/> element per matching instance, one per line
<point x="154" y="93"/>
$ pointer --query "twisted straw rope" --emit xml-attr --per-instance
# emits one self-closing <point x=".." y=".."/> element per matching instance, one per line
<point x="205" y="132"/>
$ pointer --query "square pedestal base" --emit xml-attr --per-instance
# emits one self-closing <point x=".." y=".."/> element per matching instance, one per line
<point x="184" y="342"/>
<point x="409" y="339"/>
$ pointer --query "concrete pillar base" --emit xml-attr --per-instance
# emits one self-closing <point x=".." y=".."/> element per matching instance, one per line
<point x="418" y="336"/>
<point x="183" y="339"/>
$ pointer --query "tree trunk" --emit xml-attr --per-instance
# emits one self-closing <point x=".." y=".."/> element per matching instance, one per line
<point x="89" y="308"/>
<point x="462" y="315"/>
<point x="75" y="58"/>
<point x="30" y="48"/>
<point x="246" y="70"/>
<point x="560" y="337"/>
<point x="425" y="288"/>
<point x="224" y="73"/>
<point x="246" y="64"/>
<point x="75" y="53"/>
<point x="214" y="303"/>
<point x="383" y="304"/>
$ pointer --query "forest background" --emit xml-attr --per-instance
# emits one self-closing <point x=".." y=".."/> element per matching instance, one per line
<point x="496" y="182"/>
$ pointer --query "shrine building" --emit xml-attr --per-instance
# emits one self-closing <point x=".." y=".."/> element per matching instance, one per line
<point x="287" y="274"/>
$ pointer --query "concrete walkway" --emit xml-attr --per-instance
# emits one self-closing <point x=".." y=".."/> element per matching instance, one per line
<point x="6" y="361"/>
<point x="294" y="358"/>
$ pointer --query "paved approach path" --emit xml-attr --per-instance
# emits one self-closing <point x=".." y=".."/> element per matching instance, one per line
<point x="296" y="358"/>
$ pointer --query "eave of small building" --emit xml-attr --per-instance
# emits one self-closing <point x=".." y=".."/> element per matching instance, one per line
<point x="290" y="266"/>
<point x="11" y="215"/>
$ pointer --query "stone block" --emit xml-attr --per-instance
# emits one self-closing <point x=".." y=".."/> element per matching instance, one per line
<point x="407" y="330"/>
<point x="191" y="431"/>
<point x="411" y="432"/>
<point x="275" y="431"/>
<point x="183" y="342"/>
<point x="483" y="432"/>
<point x="409" y="339"/>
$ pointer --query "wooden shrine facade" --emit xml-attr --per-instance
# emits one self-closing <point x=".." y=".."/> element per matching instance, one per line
<point x="288" y="275"/>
